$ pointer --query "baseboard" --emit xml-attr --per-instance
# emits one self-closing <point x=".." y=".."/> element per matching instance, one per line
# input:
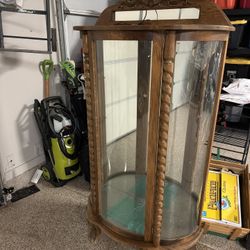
<point x="19" y="170"/>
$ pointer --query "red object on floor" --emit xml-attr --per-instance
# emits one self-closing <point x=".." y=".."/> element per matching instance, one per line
<point x="226" y="4"/>
<point x="245" y="4"/>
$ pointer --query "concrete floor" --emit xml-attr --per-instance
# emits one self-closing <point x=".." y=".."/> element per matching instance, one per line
<point x="54" y="218"/>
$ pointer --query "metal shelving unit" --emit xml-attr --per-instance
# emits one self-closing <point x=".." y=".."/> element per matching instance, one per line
<point x="231" y="141"/>
<point x="51" y="33"/>
<point x="62" y="13"/>
<point x="231" y="144"/>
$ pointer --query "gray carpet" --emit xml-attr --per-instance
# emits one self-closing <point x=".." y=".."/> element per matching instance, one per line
<point x="54" y="218"/>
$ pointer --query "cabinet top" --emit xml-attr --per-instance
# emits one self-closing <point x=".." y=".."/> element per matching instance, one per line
<point x="150" y="15"/>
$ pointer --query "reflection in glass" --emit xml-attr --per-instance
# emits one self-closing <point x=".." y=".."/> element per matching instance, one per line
<point x="124" y="85"/>
<point x="195" y="83"/>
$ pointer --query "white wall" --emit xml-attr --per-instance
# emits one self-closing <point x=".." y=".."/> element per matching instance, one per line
<point x="74" y="42"/>
<point x="20" y="83"/>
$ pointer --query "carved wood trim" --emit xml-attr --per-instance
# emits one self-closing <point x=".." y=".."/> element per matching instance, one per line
<point x="207" y="8"/>
<point x="90" y="121"/>
<point x="167" y="83"/>
<point x="139" y="4"/>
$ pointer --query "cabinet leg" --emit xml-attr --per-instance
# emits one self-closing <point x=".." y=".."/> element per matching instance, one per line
<point x="94" y="232"/>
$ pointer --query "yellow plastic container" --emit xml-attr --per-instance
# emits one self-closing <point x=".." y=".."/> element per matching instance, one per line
<point x="211" y="206"/>
<point x="230" y="199"/>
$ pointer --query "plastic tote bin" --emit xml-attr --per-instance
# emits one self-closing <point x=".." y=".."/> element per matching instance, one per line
<point x="233" y="112"/>
<point x="236" y="36"/>
<point x="244" y="4"/>
<point x="225" y="4"/>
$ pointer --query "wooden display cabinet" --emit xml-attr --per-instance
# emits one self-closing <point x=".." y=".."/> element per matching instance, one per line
<point x="153" y="72"/>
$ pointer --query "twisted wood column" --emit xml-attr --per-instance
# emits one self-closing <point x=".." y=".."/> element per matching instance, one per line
<point x="91" y="123"/>
<point x="167" y="83"/>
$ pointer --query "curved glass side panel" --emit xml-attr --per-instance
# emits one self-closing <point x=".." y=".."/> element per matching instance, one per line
<point x="124" y="84"/>
<point x="197" y="67"/>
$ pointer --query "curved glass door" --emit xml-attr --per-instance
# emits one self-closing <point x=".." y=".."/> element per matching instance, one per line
<point x="197" y="67"/>
<point x="124" y="84"/>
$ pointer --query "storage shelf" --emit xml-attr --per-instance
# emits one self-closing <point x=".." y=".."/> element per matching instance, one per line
<point x="123" y="205"/>
<point x="51" y="33"/>
<point x="225" y="158"/>
<point x="233" y="144"/>
<point x="231" y="136"/>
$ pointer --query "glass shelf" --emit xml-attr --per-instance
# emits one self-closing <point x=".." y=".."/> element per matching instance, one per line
<point x="123" y="204"/>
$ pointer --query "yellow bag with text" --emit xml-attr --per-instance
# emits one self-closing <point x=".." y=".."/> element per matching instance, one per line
<point x="230" y="199"/>
<point x="211" y="205"/>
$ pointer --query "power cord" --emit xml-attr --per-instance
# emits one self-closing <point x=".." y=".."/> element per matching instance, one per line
<point x="146" y="14"/>
<point x="157" y="14"/>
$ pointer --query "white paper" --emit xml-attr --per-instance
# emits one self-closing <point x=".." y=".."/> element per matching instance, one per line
<point x="239" y="87"/>
<point x="238" y="99"/>
<point x="238" y="92"/>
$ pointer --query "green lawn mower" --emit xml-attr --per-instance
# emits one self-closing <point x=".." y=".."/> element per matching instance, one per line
<point x="60" y="140"/>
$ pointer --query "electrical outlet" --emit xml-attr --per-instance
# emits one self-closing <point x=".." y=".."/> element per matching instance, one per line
<point x="11" y="161"/>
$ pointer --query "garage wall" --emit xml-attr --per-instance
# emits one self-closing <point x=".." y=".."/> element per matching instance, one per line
<point x="74" y="42"/>
<point x="21" y="82"/>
